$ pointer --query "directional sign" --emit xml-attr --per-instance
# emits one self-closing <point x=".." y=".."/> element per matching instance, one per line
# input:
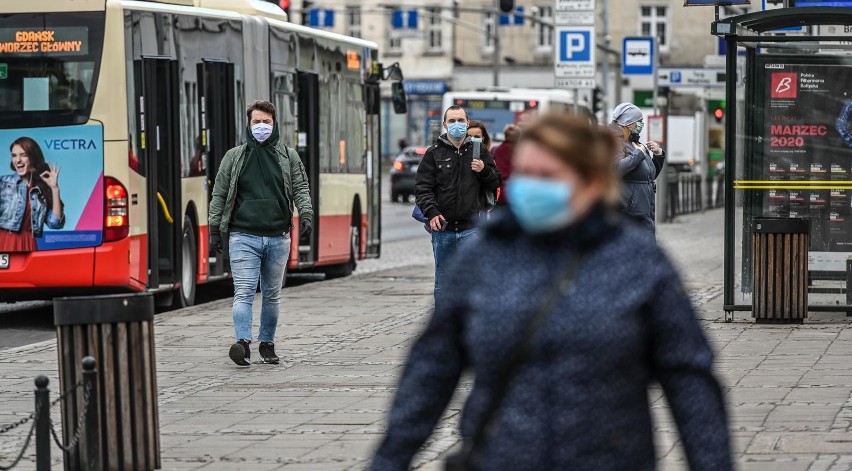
<point x="569" y="5"/>
<point x="575" y="52"/>
<point x="686" y="77"/>
<point x="637" y="56"/>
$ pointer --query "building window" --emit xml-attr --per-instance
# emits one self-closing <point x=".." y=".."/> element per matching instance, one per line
<point x="654" y="21"/>
<point x="394" y="41"/>
<point x="543" y="28"/>
<point x="490" y="25"/>
<point x="353" y="21"/>
<point x="433" y="31"/>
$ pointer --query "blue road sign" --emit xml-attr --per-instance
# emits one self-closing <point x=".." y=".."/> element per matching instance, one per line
<point x="637" y="55"/>
<point x="575" y="52"/>
<point x="404" y="19"/>
<point x="675" y="76"/>
<point x="321" y="18"/>
<point x="513" y="19"/>
<point x="574" y="46"/>
<point x="777" y="5"/>
<point x="692" y="3"/>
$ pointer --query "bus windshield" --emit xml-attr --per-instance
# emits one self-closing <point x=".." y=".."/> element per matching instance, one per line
<point x="496" y="114"/>
<point x="48" y="67"/>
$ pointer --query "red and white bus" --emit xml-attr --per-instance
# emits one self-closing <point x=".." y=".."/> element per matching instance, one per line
<point x="134" y="103"/>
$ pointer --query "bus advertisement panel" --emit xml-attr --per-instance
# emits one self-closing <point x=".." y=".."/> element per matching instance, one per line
<point x="51" y="193"/>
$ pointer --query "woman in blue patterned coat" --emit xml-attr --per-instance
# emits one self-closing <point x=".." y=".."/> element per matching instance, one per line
<point x="580" y="401"/>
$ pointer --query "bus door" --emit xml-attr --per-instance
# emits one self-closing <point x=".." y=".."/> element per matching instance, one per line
<point x="374" y="174"/>
<point x="308" y="147"/>
<point x="217" y="123"/>
<point x="157" y="92"/>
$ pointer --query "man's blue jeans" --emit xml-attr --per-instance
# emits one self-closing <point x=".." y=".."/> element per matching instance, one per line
<point x="256" y="258"/>
<point x="444" y="245"/>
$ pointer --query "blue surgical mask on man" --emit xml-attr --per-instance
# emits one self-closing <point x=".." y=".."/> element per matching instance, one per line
<point x="540" y="205"/>
<point x="457" y="130"/>
<point x="261" y="131"/>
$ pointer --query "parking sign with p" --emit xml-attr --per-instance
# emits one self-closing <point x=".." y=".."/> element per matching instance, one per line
<point x="574" y="45"/>
<point x="576" y="52"/>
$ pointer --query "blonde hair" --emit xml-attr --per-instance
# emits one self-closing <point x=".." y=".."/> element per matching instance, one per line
<point x="586" y="148"/>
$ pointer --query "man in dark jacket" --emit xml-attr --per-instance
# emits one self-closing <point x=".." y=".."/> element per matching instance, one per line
<point x="450" y="188"/>
<point x="257" y="185"/>
<point x="637" y="164"/>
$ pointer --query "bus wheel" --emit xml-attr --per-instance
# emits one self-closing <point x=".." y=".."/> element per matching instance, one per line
<point x="189" y="266"/>
<point x="346" y="269"/>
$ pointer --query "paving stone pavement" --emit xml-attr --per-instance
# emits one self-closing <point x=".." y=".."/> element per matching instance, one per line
<point x="343" y="342"/>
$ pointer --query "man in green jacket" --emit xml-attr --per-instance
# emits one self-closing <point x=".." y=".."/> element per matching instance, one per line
<point x="256" y="187"/>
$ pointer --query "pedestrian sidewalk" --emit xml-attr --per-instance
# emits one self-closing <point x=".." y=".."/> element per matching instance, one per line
<point x="343" y="343"/>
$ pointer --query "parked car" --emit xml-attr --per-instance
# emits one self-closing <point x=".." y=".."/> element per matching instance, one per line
<point x="403" y="171"/>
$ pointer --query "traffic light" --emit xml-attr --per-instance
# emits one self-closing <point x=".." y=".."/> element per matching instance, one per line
<point x="285" y="5"/>
<point x="717" y="109"/>
<point x="597" y="100"/>
<point x="507" y="6"/>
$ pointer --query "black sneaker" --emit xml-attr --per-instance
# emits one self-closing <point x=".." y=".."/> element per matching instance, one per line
<point x="267" y="353"/>
<point x="240" y="353"/>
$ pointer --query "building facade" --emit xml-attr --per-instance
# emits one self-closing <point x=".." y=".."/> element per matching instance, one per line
<point x="450" y="45"/>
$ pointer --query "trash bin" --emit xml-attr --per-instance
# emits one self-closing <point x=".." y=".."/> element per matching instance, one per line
<point x="118" y="331"/>
<point x="780" y="261"/>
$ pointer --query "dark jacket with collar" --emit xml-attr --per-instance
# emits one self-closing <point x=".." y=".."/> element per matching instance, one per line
<point x="638" y="169"/>
<point x="446" y="185"/>
<point x="581" y="401"/>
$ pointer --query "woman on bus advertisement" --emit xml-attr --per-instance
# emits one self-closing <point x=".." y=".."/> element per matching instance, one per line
<point x="29" y="198"/>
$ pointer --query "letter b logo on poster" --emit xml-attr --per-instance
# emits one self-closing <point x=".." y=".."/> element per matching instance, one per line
<point x="785" y="85"/>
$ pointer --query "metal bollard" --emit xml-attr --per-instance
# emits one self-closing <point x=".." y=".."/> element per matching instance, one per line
<point x="93" y="439"/>
<point x="42" y="431"/>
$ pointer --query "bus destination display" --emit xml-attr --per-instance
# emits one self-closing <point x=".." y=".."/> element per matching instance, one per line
<point x="65" y="40"/>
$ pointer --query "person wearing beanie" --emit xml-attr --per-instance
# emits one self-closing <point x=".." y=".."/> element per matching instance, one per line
<point x="638" y="165"/>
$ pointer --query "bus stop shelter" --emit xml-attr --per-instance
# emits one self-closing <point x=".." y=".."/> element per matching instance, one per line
<point x="788" y="146"/>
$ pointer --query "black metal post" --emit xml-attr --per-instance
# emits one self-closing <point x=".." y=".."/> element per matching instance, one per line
<point x="848" y="281"/>
<point x="90" y="392"/>
<point x="730" y="168"/>
<point x="42" y="432"/>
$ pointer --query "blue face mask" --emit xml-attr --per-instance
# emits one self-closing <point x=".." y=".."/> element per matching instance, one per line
<point x="261" y="131"/>
<point x="540" y="205"/>
<point x="457" y="130"/>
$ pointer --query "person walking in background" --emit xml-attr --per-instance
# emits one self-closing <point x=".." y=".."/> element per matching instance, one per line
<point x="638" y="165"/>
<point x="503" y="157"/>
<point x="564" y="314"/>
<point x="29" y="198"/>
<point x="477" y="129"/>
<point x="252" y="196"/>
<point x="450" y="188"/>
